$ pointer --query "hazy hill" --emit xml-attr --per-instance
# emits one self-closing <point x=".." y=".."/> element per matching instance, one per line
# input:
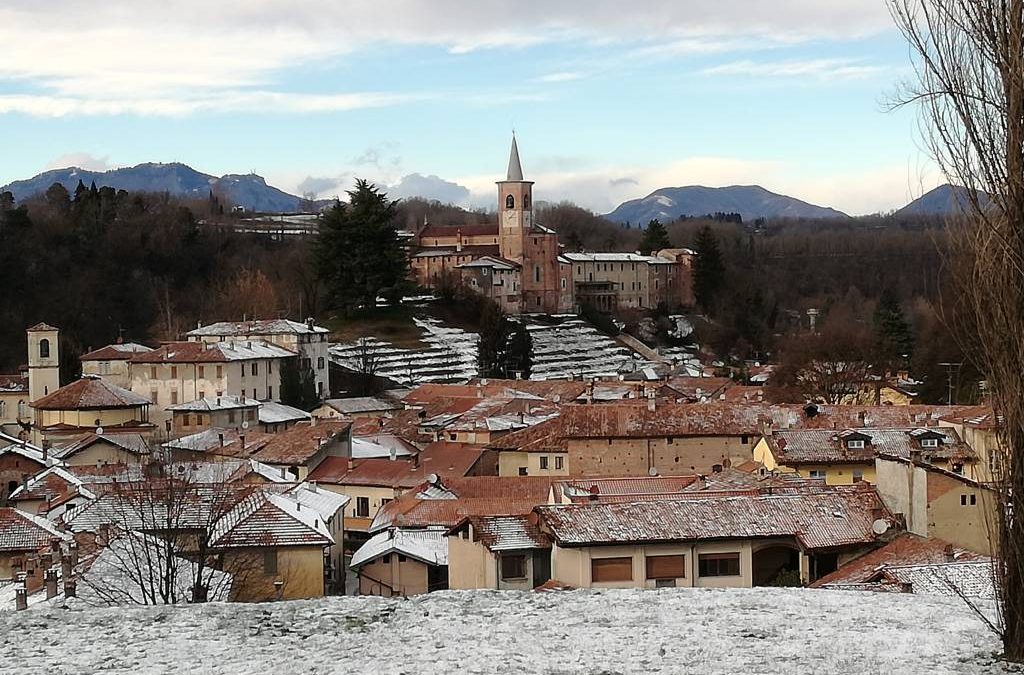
<point x="942" y="201"/>
<point x="181" y="180"/>
<point x="750" y="201"/>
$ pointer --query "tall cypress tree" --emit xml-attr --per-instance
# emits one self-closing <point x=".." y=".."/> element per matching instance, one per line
<point x="708" y="270"/>
<point x="655" y="237"/>
<point x="894" y="339"/>
<point x="358" y="254"/>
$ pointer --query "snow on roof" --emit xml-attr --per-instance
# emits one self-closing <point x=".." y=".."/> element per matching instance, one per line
<point x="618" y="258"/>
<point x="507" y="533"/>
<point x="256" y="327"/>
<point x="114" y="352"/>
<point x="829" y="446"/>
<point x="361" y="404"/>
<point x="21" y="531"/>
<point x="326" y="502"/>
<point x="972" y="579"/>
<point x="491" y="262"/>
<point x="25" y="449"/>
<point x="427" y="545"/>
<point x="134" y="443"/>
<point x="51" y="483"/>
<point x="13" y="384"/>
<point x="381" y="446"/>
<point x="266" y="519"/>
<point x="213" y="352"/>
<point x="272" y="412"/>
<point x="214" y="403"/>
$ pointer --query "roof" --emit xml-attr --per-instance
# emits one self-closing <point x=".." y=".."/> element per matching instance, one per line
<point x="115" y="352"/>
<point x="447" y="460"/>
<point x="556" y="391"/>
<point x="973" y="579"/>
<point x="25" y="449"/>
<point x="90" y="393"/>
<point x="544" y="437"/>
<point x="256" y="327"/>
<point x="450" y="500"/>
<point x="906" y="549"/>
<point x="41" y="327"/>
<point x="20" y="531"/>
<point x="50" y="484"/>
<point x="476" y="250"/>
<point x="13" y="384"/>
<point x="468" y="230"/>
<point x="212" y="352"/>
<point x="214" y="403"/>
<point x="361" y="404"/>
<point x="818" y="446"/>
<point x="221" y="441"/>
<point x="428" y="545"/>
<point x="823" y="520"/>
<point x="272" y="412"/>
<point x="129" y="442"/>
<point x="301" y="442"/>
<point x="326" y="502"/>
<point x="699" y="388"/>
<point x="266" y="519"/>
<point x="492" y="262"/>
<point x="618" y="258"/>
<point x="515" y="168"/>
<point x="507" y="533"/>
<point x="585" y="489"/>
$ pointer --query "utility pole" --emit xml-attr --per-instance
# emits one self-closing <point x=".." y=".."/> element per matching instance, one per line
<point x="951" y="369"/>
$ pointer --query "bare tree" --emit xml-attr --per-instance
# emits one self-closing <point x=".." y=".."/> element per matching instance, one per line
<point x="968" y="57"/>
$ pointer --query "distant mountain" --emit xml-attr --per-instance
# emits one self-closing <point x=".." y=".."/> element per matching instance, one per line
<point x="942" y="201"/>
<point x="750" y="201"/>
<point x="249" y="190"/>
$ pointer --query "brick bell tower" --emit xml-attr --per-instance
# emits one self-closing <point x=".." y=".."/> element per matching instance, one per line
<point x="515" y="208"/>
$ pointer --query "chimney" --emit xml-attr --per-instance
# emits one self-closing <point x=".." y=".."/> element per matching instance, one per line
<point x="351" y="463"/>
<point x="70" y="588"/>
<point x="310" y="324"/>
<point x="915" y="456"/>
<point x="73" y="553"/>
<point x="311" y="486"/>
<point x="220" y="438"/>
<point x="416" y="460"/>
<point x="393" y="453"/>
<point x="45" y="445"/>
<point x="651" y="404"/>
<point x="21" y="594"/>
<point x="950" y="553"/>
<point x="51" y="583"/>
<point x="312" y="421"/>
<point x="241" y="440"/>
<point x="103" y="535"/>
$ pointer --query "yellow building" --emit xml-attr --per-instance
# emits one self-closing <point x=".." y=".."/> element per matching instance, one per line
<point x="402" y="562"/>
<point x="43" y="361"/>
<point x="980" y="429"/>
<point x="111" y="362"/>
<point x="100" y="449"/>
<point x="85" y="406"/>
<point x="498" y="552"/>
<point x="15" y="413"/>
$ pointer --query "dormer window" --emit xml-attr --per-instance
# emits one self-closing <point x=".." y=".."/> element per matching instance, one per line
<point x="510" y="202"/>
<point x="855" y="444"/>
<point x="929" y="442"/>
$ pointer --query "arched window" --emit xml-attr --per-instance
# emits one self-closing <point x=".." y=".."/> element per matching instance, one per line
<point x="3" y="409"/>
<point x="510" y="202"/>
<point x="44" y="349"/>
<point x="526" y="201"/>
<point x="22" y="410"/>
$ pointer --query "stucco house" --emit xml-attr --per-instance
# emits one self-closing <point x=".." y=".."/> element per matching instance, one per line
<point x="88" y="405"/>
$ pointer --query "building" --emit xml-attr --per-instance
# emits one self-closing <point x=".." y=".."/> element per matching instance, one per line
<point x="402" y="562"/>
<point x="19" y="460"/>
<point x="181" y="372"/>
<point x="22" y="535"/>
<point x="980" y="429"/>
<point x="43" y="361"/>
<point x="111" y="362"/>
<point x="331" y="507"/>
<point x="360" y="406"/>
<point x="87" y="406"/>
<point x="502" y="552"/>
<point x="519" y="263"/>
<point x="15" y="414"/>
<point x="307" y="340"/>
<point x="105" y="447"/>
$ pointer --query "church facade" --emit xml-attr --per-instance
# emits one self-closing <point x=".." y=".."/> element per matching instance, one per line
<point x="519" y="263"/>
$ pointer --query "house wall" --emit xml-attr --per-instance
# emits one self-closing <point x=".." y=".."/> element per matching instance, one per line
<point x="378" y="496"/>
<point x="391" y="575"/>
<point x="102" y="452"/>
<point x="470" y="564"/>
<point x="990" y="450"/>
<point x="114" y="371"/>
<point x="572" y="566"/>
<point x="904" y="489"/>
<point x="678" y="455"/>
<point x="838" y="474"/>
<point x="13" y="469"/>
<point x="310" y="346"/>
<point x="300" y="567"/>
<point x="971" y="526"/>
<point x="511" y="461"/>
<point x="14" y="406"/>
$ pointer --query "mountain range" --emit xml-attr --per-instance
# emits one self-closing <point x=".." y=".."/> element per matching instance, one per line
<point x="750" y="201"/>
<point x="247" y="190"/>
<point x="942" y="201"/>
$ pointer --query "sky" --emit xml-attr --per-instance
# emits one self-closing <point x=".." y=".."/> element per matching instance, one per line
<point x="609" y="100"/>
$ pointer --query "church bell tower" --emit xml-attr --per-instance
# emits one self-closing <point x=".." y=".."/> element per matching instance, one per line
<point x="515" y="208"/>
<point x="43" y="361"/>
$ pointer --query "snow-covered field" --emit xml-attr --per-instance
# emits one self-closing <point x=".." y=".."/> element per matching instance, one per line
<point x="668" y="631"/>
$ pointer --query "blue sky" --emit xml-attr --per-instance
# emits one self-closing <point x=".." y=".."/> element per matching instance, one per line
<point x="609" y="100"/>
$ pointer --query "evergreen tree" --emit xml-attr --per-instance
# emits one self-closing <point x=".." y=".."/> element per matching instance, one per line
<point x="520" y="353"/>
<point x="298" y="385"/>
<point x="708" y="270"/>
<point x="655" y="238"/>
<point x="358" y="252"/>
<point x="505" y="347"/>
<point x="894" y="338"/>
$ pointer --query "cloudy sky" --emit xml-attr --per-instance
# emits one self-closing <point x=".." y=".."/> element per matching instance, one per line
<point x="609" y="99"/>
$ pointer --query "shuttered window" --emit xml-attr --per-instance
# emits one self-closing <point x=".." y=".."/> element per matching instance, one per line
<point x="666" y="566"/>
<point x="719" y="565"/>
<point x="611" y="569"/>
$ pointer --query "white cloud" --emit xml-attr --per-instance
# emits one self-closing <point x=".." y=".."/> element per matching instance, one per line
<point x="553" y="78"/>
<point x="429" y="187"/>
<point x="176" y="57"/>
<point x="82" y="160"/>
<point x="819" y="69"/>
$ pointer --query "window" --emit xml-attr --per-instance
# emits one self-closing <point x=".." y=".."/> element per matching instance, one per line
<point x="744" y="440"/>
<point x="386" y="559"/>
<point x="186" y="420"/>
<point x="320" y="363"/>
<point x="510" y="202"/>
<point x="174" y="372"/>
<point x="666" y="566"/>
<point x="3" y="409"/>
<point x="154" y="395"/>
<point x="855" y="444"/>
<point x="220" y="371"/>
<point x="559" y="460"/>
<point x="452" y="437"/>
<point x="611" y="569"/>
<point x="362" y="507"/>
<point x="255" y="368"/>
<point x="270" y="392"/>
<point x="858" y="476"/>
<point x="513" y="566"/>
<point x="719" y="565"/>
<point x="543" y="461"/>
<point x="536" y="272"/>
<point x="104" y="367"/>
<point x="929" y="442"/>
<point x="968" y="499"/>
<point x="174" y="397"/>
<point x="563" y="283"/>
<point x="816" y="473"/>
<point x="522" y="471"/>
<point x="958" y="468"/>
<point x="152" y="372"/>
<point x="201" y="372"/>
<point x="231" y="417"/>
<point x="526" y="201"/>
<point x="44" y="349"/>
<point x="201" y="394"/>
<point x="270" y="561"/>
<point x="401" y="558"/>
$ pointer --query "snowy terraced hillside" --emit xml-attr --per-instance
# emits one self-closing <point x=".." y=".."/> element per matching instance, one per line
<point x="669" y="631"/>
<point x="561" y="351"/>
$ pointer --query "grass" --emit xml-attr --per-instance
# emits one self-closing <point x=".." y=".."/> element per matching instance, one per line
<point x="390" y="324"/>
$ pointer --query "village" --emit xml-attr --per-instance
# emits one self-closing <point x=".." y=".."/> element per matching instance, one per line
<point x="174" y="472"/>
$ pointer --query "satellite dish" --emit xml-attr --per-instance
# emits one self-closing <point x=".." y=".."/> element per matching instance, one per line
<point x="99" y="431"/>
<point x="432" y="479"/>
<point x="245" y="425"/>
<point x="880" y="526"/>
<point x="652" y="471"/>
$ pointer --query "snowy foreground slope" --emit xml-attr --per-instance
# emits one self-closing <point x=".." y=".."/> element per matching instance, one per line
<point x="669" y="631"/>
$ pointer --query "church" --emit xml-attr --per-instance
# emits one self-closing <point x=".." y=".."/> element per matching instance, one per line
<point x="519" y="263"/>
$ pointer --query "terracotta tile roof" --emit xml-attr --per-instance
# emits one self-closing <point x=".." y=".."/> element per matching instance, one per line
<point x="588" y="489"/>
<point x="300" y="443"/>
<point x="221" y="441"/>
<point x="90" y="393"/>
<point x="506" y="533"/>
<point x="212" y="352"/>
<point x="361" y="404"/>
<point x="256" y="327"/>
<point x="458" y="498"/>
<point x="266" y="519"/>
<point x="478" y="250"/>
<point x="120" y="351"/>
<point x="978" y="417"/>
<point x="20" y="531"/>
<point x="13" y="384"/>
<point x="696" y="389"/>
<point x="544" y="437"/>
<point x="905" y="549"/>
<point x="130" y="442"/>
<point x="447" y="460"/>
<point x="817" y="446"/>
<point x="817" y="520"/>
<point x="49" y="484"/>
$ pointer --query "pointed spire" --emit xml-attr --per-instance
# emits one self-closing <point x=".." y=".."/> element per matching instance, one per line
<point x="515" y="169"/>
